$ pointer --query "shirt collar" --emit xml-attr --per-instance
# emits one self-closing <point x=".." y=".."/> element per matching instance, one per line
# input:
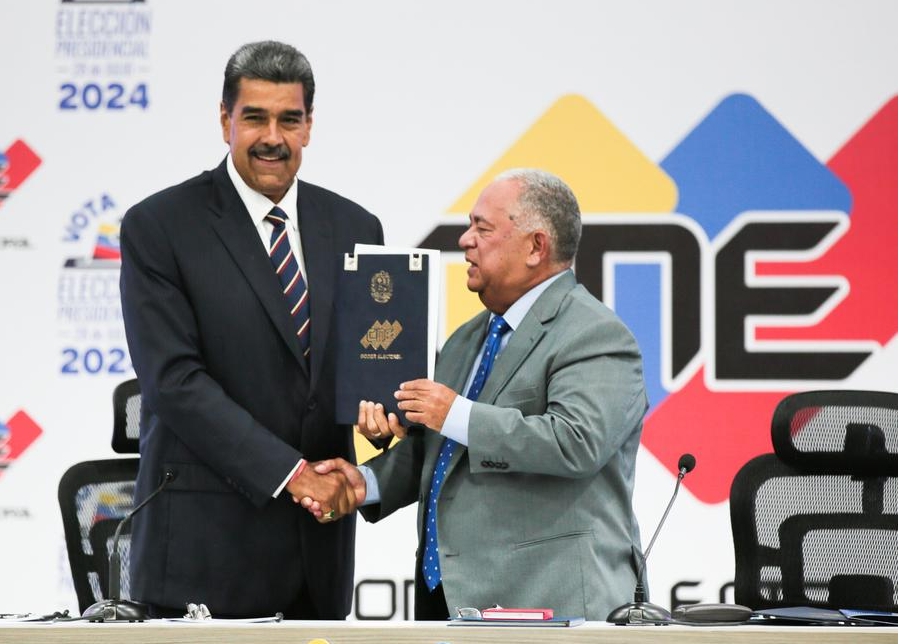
<point x="515" y="314"/>
<point x="257" y="204"/>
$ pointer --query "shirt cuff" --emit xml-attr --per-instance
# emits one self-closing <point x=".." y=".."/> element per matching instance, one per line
<point x="372" y="491"/>
<point x="294" y="472"/>
<point x="456" y="424"/>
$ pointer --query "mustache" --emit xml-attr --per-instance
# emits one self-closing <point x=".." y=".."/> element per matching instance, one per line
<point x="280" y="152"/>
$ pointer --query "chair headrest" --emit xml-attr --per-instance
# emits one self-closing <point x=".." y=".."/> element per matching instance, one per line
<point x="126" y="404"/>
<point x="837" y="431"/>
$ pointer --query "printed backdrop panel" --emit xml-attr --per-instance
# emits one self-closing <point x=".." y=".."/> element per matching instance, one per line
<point x="735" y="162"/>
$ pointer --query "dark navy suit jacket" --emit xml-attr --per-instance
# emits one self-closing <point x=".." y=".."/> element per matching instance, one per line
<point x="228" y="404"/>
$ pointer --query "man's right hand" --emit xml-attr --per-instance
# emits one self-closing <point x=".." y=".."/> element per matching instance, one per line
<point x="355" y="486"/>
<point x="330" y="489"/>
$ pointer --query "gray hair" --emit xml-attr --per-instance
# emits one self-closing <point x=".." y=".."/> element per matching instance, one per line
<point x="545" y="201"/>
<point x="269" y="61"/>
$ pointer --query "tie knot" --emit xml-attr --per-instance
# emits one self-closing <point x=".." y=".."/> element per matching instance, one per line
<point x="498" y="325"/>
<point x="276" y="217"/>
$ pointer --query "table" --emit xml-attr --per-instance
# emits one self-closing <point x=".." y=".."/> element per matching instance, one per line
<point x="394" y="632"/>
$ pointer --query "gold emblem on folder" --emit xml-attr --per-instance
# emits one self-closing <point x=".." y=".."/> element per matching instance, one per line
<point x="381" y="287"/>
<point x="381" y="334"/>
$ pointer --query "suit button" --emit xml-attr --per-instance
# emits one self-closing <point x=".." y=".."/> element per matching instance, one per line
<point x="503" y="466"/>
<point x="312" y="404"/>
<point x="485" y="463"/>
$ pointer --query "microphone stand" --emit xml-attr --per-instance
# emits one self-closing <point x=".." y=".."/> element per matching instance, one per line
<point x="116" y="609"/>
<point x="641" y="611"/>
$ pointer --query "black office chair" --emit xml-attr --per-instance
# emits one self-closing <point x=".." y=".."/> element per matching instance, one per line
<point x="93" y="498"/>
<point x="126" y="417"/>
<point x="814" y="524"/>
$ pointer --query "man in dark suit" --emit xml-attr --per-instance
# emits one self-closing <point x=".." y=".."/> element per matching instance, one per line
<point x="235" y="361"/>
<point x="524" y="472"/>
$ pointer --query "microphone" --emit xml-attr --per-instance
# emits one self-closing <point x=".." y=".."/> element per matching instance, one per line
<point x="116" y="609"/>
<point x="641" y="611"/>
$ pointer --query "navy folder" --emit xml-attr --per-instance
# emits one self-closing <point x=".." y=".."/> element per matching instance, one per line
<point x="381" y="316"/>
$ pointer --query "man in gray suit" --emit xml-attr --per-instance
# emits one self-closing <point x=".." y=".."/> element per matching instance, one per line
<point x="531" y="504"/>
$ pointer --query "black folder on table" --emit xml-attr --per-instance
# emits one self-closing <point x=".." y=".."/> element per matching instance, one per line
<point x="382" y="328"/>
<point x="821" y="616"/>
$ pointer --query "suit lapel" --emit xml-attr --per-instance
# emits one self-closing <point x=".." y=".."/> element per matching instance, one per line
<point x="454" y="374"/>
<point x="531" y="330"/>
<point x="235" y="229"/>
<point x="520" y="345"/>
<point x="459" y="366"/>
<point x="320" y="257"/>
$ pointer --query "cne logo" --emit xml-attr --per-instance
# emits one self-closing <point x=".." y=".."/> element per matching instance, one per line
<point x="747" y="268"/>
<point x="381" y="335"/>
<point x="16" y="436"/>
<point x="16" y="164"/>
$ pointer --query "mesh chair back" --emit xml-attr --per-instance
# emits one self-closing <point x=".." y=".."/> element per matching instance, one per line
<point x="815" y="524"/>
<point x="93" y="498"/>
<point x="126" y="417"/>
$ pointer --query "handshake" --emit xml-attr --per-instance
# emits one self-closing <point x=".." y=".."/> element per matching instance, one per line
<point x="334" y="488"/>
<point x="329" y="489"/>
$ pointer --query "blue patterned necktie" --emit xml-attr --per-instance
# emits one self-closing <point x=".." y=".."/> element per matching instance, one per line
<point x="430" y="564"/>
<point x="292" y="282"/>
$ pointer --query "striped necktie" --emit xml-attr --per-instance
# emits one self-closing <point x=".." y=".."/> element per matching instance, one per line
<point x="292" y="282"/>
<point x="430" y="563"/>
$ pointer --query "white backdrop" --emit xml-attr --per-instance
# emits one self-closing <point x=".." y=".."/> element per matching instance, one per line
<point x="416" y="104"/>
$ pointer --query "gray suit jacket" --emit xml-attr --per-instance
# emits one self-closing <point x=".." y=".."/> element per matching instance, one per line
<point x="536" y="512"/>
